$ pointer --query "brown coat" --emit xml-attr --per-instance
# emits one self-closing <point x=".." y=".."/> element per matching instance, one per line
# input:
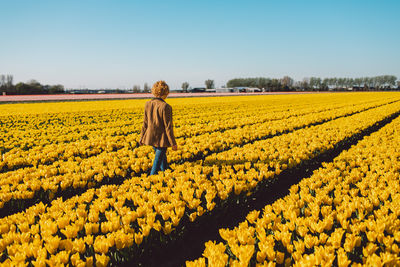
<point x="157" y="127"/>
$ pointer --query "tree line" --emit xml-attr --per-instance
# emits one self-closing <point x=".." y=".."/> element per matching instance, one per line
<point x="31" y="87"/>
<point x="383" y="82"/>
<point x="209" y="84"/>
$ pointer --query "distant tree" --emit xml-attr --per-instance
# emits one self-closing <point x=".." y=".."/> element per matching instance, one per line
<point x="398" y="84"/>
<point x="384" y="82"/>
<point x="58" y="88"/>
<point x="350" y="82"/>
<point x="34" y="87"/>
<point x="379" y="81"/>
<point x="333" y="82"/>
<point x="209" y="84"/>
<point x="6" y="83"/>
<point x="30" y="87"/>
<point x="315" y="83"/>
<point x="275" y="85"/>
<point x="9" y="81"/>
<point x="358" y="82"/>
<point x="341" y="82"/>
<point x="238" y="82"/>
<point x="232" y="83"/>
<point x="185" y="86"/>
<point x="326" y="81"/>
<point x="297" y="85"/>
<point x="3" y="83"/>
<point x="319" y="83"/>
<point x="305" y="84"/>
<point x="324" y="84"/>
<point x="136" y="88"/>
<point x="21" y="87"/>
<point x="287" y="82"/>
<point x="263" y="83"/>
<point x="365" y="82"/>
<point x="146" y="88"/>
<point x="345" y="81"/>
<point x="312" y="83"/>
<point x="391" y="80"/>
<point x="370" y="82"/>
<point x="33" y="82"/>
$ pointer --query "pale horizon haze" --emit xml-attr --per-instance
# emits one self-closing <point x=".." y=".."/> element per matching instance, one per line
<point x="119" y="44"/>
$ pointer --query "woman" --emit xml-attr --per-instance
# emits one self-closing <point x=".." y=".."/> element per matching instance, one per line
<point x="157" y="130"/>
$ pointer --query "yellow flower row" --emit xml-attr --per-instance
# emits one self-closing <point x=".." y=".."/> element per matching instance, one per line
<point x="346" y="213"/>
<point x="104" y="135"/>
<point x="27" y="130"/>
<point x="26" y="136"/>
<point x="123" y="217"/>
<point x="119" y="157"/>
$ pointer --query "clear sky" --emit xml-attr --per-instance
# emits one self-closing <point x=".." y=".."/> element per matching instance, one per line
<point x="117" y="44"/>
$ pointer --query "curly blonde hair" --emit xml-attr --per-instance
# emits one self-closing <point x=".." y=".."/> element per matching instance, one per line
<point x="160" y="89"/>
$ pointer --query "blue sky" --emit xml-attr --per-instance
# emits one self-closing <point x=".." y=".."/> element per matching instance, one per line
<point x="110" y="44"/>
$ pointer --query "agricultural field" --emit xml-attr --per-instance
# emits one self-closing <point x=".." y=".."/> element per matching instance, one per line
<point x="258" y="180"/>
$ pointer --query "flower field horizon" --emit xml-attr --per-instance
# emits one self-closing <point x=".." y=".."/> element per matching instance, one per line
<point x="86" y="97"/>
<point x="75" y="189"/>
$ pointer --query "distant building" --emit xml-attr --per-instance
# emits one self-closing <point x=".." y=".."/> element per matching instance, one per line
<point x="98" y="91"/>
<point x="197" y="90"/>
<point x="176" y="90"/>
<point x="253" y="89"/>
<point x="226" y="90"/>
<point x="240" y="89"/>
<point x="247" y="89"/>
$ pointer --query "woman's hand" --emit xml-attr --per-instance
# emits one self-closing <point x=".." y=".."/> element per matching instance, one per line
<point x="175" y="148"/>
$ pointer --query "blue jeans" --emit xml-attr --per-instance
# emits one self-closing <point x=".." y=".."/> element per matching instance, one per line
<point x="160" y="160"/>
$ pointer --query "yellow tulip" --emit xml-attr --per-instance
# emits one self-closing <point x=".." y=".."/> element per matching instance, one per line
<point x="261" y="255"/>
<point x="63" y="257"/>
<point x="395" y="249"/>
<point x="369" y="249"/>
<point x="200" y="262"/>
<point x="192" y="216"/>
<point x="88" y="228"/>
<point x="66" y="244"/>
<point x="167" y="228"/>
<point x="102" y="260"/>
<point x="79" y="245"/>
<point x="252" y="216"/>
<point x="271" y="253"/>
<point x="138" y="238"/>
<point x="62" y="222"/>
<point x="342" y="258"/>
<point x="52" y="244"/>
<point x="70" y="231"/>
<point x="280" y="257"/>
<point x="146" y="230"/>
<point x="75" y="259"/>
<point x="39" y="262"/>
<point x="101" y="244"/>
<point x="88" y="239"/>
<point x="310" y="241"/>
<point x="371" y="235"/>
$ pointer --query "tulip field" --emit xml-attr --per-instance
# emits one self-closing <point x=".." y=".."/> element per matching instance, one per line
<point x="75" y="189"/>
